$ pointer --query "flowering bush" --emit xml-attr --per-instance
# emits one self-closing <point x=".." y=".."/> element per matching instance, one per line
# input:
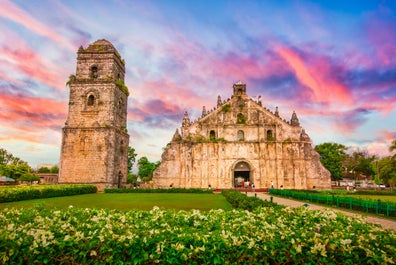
<point x="19" y="193"/>
<point x="265" y="235"/>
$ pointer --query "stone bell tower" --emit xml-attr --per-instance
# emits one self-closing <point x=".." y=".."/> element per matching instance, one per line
<point x="95" y="139"/>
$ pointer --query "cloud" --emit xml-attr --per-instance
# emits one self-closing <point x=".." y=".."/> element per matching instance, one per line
<point x="318" y="75"/>
<point x="32" y="114"/>
<point x="12" y="12"/>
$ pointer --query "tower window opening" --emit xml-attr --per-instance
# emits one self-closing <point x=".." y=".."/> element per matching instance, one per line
<point x="94" y="72"/>
<point x="91" y="100"/>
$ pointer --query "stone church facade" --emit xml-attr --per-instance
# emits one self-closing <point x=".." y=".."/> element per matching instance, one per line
<point x="94" y="139"/>
<point x="240" y="142"/>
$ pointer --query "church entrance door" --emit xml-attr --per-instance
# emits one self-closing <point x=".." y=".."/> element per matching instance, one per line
<point x="242" y="175"/>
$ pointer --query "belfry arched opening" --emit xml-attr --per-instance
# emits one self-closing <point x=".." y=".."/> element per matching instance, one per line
<point x="242" y="176"/>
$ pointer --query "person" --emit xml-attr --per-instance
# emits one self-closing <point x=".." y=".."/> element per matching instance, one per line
<point x="253" y="186"/>
<point x="272" y="185"/>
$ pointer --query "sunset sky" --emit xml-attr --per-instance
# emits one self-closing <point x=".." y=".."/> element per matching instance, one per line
<point x="334" y="63"/>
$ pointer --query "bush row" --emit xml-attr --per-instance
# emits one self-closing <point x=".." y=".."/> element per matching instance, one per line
<point x="239" y="200"/>
<point x="144" y="190"/>
<point x="20" y="193"/>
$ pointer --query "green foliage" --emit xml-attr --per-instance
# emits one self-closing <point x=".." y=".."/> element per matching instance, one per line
<point x="200" y="139"/>
<point x="226" y="107"/>
<point x="360" y="163"/>
<point x="54" y="169"/>
<point x="72" y="78"/>
<point x="173" y="190"/>
<point x="43" y="170"/>
<point x="28" y="177"/>
<point x="332" y="156"/>
<point x="386" y="170"/>
<point x="20" y="193"/>
<point x="242" y="201"/>
<point x="267" y="235"/>
<point x="146" y="168"/>
<point x="364" y="205"/>
<point x="132" y="178"/>
<point x="131" y="158"/>
<point x="122" y="86"/>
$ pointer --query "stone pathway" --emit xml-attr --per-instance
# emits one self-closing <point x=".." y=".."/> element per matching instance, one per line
<point x="385" y="223"/>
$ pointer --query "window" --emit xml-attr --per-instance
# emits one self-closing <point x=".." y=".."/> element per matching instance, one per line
<point x="240" y="135"/>
<point x="270" y="137"/>
<point x="212" y="135"/>
<point x="91" y="100"/>
<point x="94" y="72"/>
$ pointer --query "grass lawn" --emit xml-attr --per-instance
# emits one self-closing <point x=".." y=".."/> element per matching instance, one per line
<point x="125" y="201"/>
<point x="383" y="198"/>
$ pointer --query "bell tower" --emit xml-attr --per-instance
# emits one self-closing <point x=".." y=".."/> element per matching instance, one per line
<point x="95" y="139"/>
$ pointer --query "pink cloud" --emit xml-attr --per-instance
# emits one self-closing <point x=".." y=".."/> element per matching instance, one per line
<point x="12" y="12"/>
<point x="318" y="76"/>
<point x="32" y="114"/>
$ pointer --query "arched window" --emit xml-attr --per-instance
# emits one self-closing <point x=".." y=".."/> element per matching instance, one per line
<point x="240" y="135"/>
<point x="94" y="72"/>
<point x="212" y="135"/>
<point x="270" y="137"/>
<point x="91" y="100"/>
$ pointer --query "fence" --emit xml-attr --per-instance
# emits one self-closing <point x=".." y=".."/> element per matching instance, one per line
<point x="368" y="206"/>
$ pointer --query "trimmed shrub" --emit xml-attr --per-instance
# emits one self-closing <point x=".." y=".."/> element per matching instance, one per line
<point x="173" y="190"/>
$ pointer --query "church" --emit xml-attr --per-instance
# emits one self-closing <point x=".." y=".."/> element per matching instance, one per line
<point x="240" y="143"/>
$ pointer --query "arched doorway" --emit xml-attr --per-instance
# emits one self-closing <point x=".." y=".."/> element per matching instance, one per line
<point x="241" y="174"/>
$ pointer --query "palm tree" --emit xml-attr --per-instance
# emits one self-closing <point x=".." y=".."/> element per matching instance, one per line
<point x="393" y="146"/>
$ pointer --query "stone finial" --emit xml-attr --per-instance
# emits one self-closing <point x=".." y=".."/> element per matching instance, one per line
<point x="81" y="49"/>
<point x="276" y="111"/>
<point x="304" y="136"/>
<point x="219" y="101"/>
<point x="186" y="120"/>
<point x="176" y="136"/>
<point x="294" y="120"/>
<point x="239" y="88"/>
<point x="203" y="112"/>
<point x="259" y="101"/>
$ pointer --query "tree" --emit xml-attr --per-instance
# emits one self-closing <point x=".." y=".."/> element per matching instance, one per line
<point x="393" y="148"/>
<point x="43" y="170"/>
<point x="12" y="166"/>
<point x="131" y="158"/>
<point x="54" y="169"/>
<point x="360" y="163"/>
<point x="332" y="156"/>
<point x="146" y="168"/>
<point x="29" y="177"/>
<point x="386" y="170"/>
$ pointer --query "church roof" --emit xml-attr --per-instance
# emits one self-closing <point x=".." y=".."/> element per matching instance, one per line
<point x="99" y="46"/>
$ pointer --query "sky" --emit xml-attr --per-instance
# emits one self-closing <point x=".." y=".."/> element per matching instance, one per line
<point x="333" y="62"/>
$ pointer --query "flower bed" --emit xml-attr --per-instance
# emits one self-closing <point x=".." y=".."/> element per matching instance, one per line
<point x="20" y="193"/>
<point x="265" y="235"/>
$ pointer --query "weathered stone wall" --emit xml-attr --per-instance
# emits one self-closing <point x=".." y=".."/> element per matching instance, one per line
<point x="241" y="130"/>
<point x="94" y="139"/>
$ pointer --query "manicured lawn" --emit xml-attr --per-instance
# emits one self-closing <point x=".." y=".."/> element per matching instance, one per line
<point x="123" y="201"/>
<point x="383" y="198"/>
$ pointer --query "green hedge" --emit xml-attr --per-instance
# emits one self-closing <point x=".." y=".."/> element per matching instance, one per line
<point x="20" y="193"/>
<point x="368" y="206"/>
<point x="239" y="200"/>
<point x="143" y="190"/>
